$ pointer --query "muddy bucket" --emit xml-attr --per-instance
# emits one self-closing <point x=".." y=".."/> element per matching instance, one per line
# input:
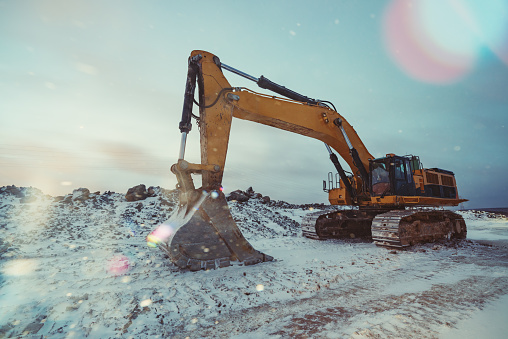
<point x="203" y="235"/>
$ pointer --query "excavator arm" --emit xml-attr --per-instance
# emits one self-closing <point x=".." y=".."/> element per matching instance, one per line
<point x="219" y="102"/>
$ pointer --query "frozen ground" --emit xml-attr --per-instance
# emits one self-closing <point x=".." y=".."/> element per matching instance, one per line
<point x="77" y="267"/>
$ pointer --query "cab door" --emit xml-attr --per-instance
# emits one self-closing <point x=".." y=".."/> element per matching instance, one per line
<point x="403" y="177"/>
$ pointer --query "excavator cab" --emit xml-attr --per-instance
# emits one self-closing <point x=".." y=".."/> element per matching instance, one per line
<point x="392" y="175"/>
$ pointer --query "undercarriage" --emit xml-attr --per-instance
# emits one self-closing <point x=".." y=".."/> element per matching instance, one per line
<point x="391" y="228"/>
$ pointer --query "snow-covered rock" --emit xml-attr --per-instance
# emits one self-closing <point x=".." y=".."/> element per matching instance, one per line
<point x="80" y="194"/>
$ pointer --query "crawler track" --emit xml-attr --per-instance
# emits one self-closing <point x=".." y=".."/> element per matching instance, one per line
<point x="346" y="224"/>
<point x="406" y="228"/>
<point x="396" y="228"/>
<point x="309" y="225"/>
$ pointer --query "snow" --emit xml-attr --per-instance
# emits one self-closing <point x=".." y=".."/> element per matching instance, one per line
<point x="83" y="269"/>
<point x="486" y="226"/>
<point x="487" y="323"/>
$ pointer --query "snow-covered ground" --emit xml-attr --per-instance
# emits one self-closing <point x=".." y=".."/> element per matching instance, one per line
<point x="80" y="267"/>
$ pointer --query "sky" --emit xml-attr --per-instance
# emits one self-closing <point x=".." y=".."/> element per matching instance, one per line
<point x="91" y="92"/>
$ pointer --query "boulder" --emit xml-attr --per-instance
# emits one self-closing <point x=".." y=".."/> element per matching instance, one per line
<point x="136" y="193"/>
<point x="80" y="194"/>
<point x="250" y="191"/>
<point x="265" y="199"/>
<point x="152" y="191"/>
<point x="238" y="195"/>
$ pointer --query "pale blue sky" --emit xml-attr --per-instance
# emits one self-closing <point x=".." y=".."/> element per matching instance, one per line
<point x="91" y="92"/>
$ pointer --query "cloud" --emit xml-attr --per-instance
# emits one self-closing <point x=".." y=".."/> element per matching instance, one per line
<point x="128" y="157"/>
<point x="87" y="69"/>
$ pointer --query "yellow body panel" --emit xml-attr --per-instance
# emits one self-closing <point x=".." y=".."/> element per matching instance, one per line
<point x="397" y="200"/>
<point x="339" y="196"/>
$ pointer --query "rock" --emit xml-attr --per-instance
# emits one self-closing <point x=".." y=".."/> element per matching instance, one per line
<point x="152" y="191"/>
<point x="136" y="193"/>
<point x="250" y="191"/>
<point x="238" y="195"/>
<point x="265" y="199"/>
<point x="12" y="190"/>
<point x="94" y="195"/>
<point x="81" y="194"/>
<point x="33" y="328"/>
<point x="67" y="199"/>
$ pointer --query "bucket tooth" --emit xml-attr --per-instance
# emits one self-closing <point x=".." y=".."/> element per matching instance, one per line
<point x="205" y="236"/>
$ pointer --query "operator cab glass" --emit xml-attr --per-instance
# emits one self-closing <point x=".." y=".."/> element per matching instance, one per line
<point x="392" y="175"/>
<point x="380" y="178"/>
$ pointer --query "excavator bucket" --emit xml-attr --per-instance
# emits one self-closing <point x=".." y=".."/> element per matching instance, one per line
<point x="203" y="235"/>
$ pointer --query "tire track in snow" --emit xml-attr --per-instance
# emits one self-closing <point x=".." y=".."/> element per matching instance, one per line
<point x="440" y="298"/>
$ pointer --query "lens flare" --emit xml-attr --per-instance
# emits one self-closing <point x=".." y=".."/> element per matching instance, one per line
<point x="440" y="41"/>
<point x="145" y="303"/>
<point x="161" y="234"/>
<point x="20" y="267"/>
<point x="152" y="241"/>
<point x="118" y="265"/>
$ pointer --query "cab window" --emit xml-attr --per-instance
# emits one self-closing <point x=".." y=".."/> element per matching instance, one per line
<point x="409" y="172"/>
<point x="379" y="173"/>
<point x="399" y="170"/>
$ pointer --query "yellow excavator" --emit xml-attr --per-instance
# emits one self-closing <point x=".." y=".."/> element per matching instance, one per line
<point x="393" y="199"/>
